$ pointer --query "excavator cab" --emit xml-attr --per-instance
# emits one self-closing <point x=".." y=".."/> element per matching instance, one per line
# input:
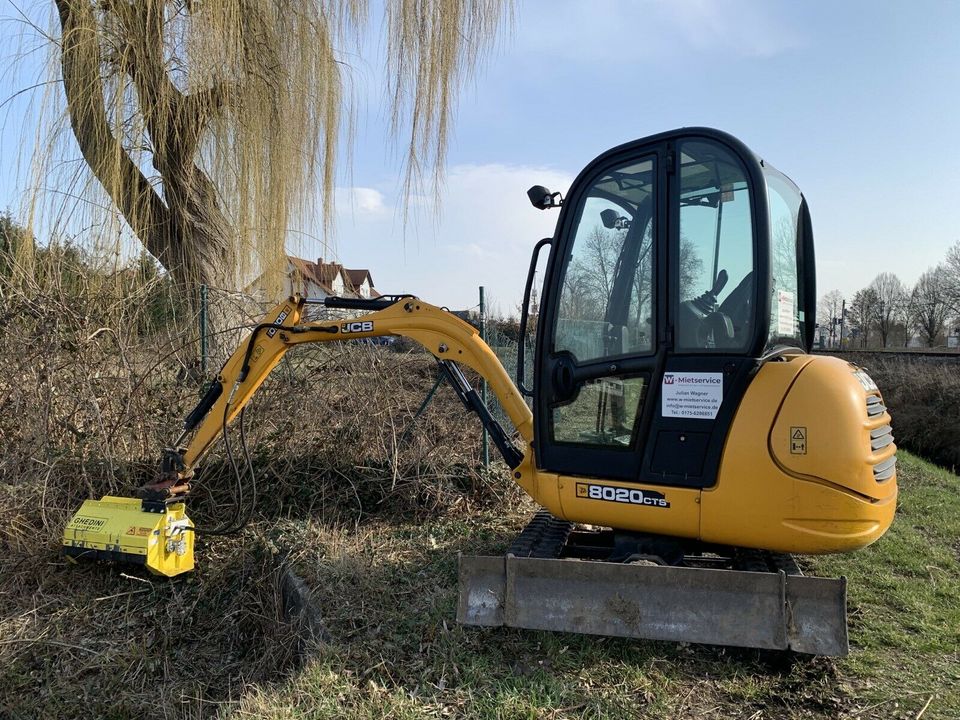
<point x="678" y="264"/>
<point x="673" y="390"/>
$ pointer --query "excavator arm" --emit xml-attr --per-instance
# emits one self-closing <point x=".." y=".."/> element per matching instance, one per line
<point x="451" y="340"/>
<point x="154" y="530"/>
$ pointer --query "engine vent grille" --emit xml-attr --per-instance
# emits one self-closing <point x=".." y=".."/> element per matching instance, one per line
<point x="875" y="406"/>
<point x="880" y="438"/>
<point x="885" y="470"/>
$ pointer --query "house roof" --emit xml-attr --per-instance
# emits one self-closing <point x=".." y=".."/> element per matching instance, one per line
<point x="324" y="274"/>
<point x="357" y="277"/>
<point x="313" y="272"/>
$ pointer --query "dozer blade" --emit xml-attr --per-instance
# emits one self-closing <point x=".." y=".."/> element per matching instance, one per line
<point x="770" y="610"/>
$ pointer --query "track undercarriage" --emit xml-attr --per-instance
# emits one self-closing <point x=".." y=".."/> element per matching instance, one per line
<point x="559" y="577"/>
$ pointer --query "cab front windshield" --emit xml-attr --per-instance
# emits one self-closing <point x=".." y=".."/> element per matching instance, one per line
<point x="606" y="299"/>
<point x="715" y="273"/>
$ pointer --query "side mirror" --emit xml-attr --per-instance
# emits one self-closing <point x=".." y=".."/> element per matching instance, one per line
<point x="542" y="199"/>
<point x="612" y="220"/>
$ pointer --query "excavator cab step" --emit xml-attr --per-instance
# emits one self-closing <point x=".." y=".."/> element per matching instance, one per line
<point x="548" y="581"/>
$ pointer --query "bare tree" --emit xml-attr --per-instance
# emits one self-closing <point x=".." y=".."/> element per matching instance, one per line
<point x="601" y="250"/>
<point x="829" y="309"/>
<point x="861" y="314"/>
<point x="931" y="304"/>
<point x="691" y="270"/>
<point x="212" y="125"/>
<point x="577" y="299"/>
<point x="952" y="278"/>
<point x="890" y="298"/>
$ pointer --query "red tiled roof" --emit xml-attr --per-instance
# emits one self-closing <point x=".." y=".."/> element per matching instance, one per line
<point x="323" y="274"/>
<point x="357" y="277"/>
<point x="313" y="272"/>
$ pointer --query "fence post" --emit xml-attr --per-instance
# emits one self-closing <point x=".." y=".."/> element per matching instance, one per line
<point x="484" y="442"/>
<point x="203" y="331"/>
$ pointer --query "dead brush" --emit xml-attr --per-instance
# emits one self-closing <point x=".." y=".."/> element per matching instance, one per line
<point x="97" y="375"/>
<point x="923" y="394"/>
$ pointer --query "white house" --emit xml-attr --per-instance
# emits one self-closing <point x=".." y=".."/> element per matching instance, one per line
<point x="321" y="279"/>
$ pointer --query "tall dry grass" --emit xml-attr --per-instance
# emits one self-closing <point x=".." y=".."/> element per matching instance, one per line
<point x="97" y="374"/>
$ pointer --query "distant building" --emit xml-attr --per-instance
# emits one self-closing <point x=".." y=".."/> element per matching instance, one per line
<point x="321" y="279"/>
<point x="362" y="282"/>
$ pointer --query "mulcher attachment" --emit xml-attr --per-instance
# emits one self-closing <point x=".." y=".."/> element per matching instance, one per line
<point x="559" y="579"/>
<point x="158" y="535"/>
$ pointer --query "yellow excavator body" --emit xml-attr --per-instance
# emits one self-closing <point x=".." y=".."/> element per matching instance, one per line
<point x="798" y="472"/>
<point x="675" y="404"/>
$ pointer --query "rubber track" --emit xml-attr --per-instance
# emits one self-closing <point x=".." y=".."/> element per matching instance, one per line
<point x="545" y="537"/>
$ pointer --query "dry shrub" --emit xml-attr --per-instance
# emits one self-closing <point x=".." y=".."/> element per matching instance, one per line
<point x="923" y="394"/>
<point x="98" y="373"/>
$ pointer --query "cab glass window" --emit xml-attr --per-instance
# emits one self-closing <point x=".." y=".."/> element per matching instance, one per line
<point x="786" y="313"/>
<point x="604" y="412"/>
<point x="607" y="303"/>
<point x="714" y="270"/>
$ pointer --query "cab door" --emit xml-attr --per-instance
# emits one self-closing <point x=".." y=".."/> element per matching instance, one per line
<point x="602" y="349"/>
<point x="648" y="329"/>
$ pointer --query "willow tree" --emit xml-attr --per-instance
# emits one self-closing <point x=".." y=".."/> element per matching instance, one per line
<point x="212" y="124"/>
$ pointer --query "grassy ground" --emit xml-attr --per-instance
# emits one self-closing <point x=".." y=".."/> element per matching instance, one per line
<point x="397" y="653"/>
<point x="213" y="644"/>
<point x="371" y="510"/>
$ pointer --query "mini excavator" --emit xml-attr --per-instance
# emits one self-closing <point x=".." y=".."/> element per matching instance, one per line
<point x="678" y="435"/>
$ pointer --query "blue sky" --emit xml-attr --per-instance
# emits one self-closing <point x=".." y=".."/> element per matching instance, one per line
<point x="856" y="101"/>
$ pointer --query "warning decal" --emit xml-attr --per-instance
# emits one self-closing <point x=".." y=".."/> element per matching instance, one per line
<point x="786" y="313"/>
<point x="798" y="440"/>
<point x="691" y="395"/>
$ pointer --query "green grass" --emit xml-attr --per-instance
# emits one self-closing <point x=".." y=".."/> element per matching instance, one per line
<point x="904" y="603"/>
<point x="212" y="644"/>
<point x="388" y="594"/>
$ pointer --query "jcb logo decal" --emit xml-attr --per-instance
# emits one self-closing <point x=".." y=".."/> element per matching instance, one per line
<point x="279" y="321"/>
<point x="357" y="327"/>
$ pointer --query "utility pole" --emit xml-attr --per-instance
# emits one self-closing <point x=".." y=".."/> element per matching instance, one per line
<point x="843" y="318"/>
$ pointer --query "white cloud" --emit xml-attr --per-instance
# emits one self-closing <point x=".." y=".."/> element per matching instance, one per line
<point x="481" y="234"/>
<point x="360" y="199"/>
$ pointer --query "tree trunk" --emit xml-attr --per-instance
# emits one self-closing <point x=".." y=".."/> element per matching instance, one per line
<point x="186" y="229"/>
